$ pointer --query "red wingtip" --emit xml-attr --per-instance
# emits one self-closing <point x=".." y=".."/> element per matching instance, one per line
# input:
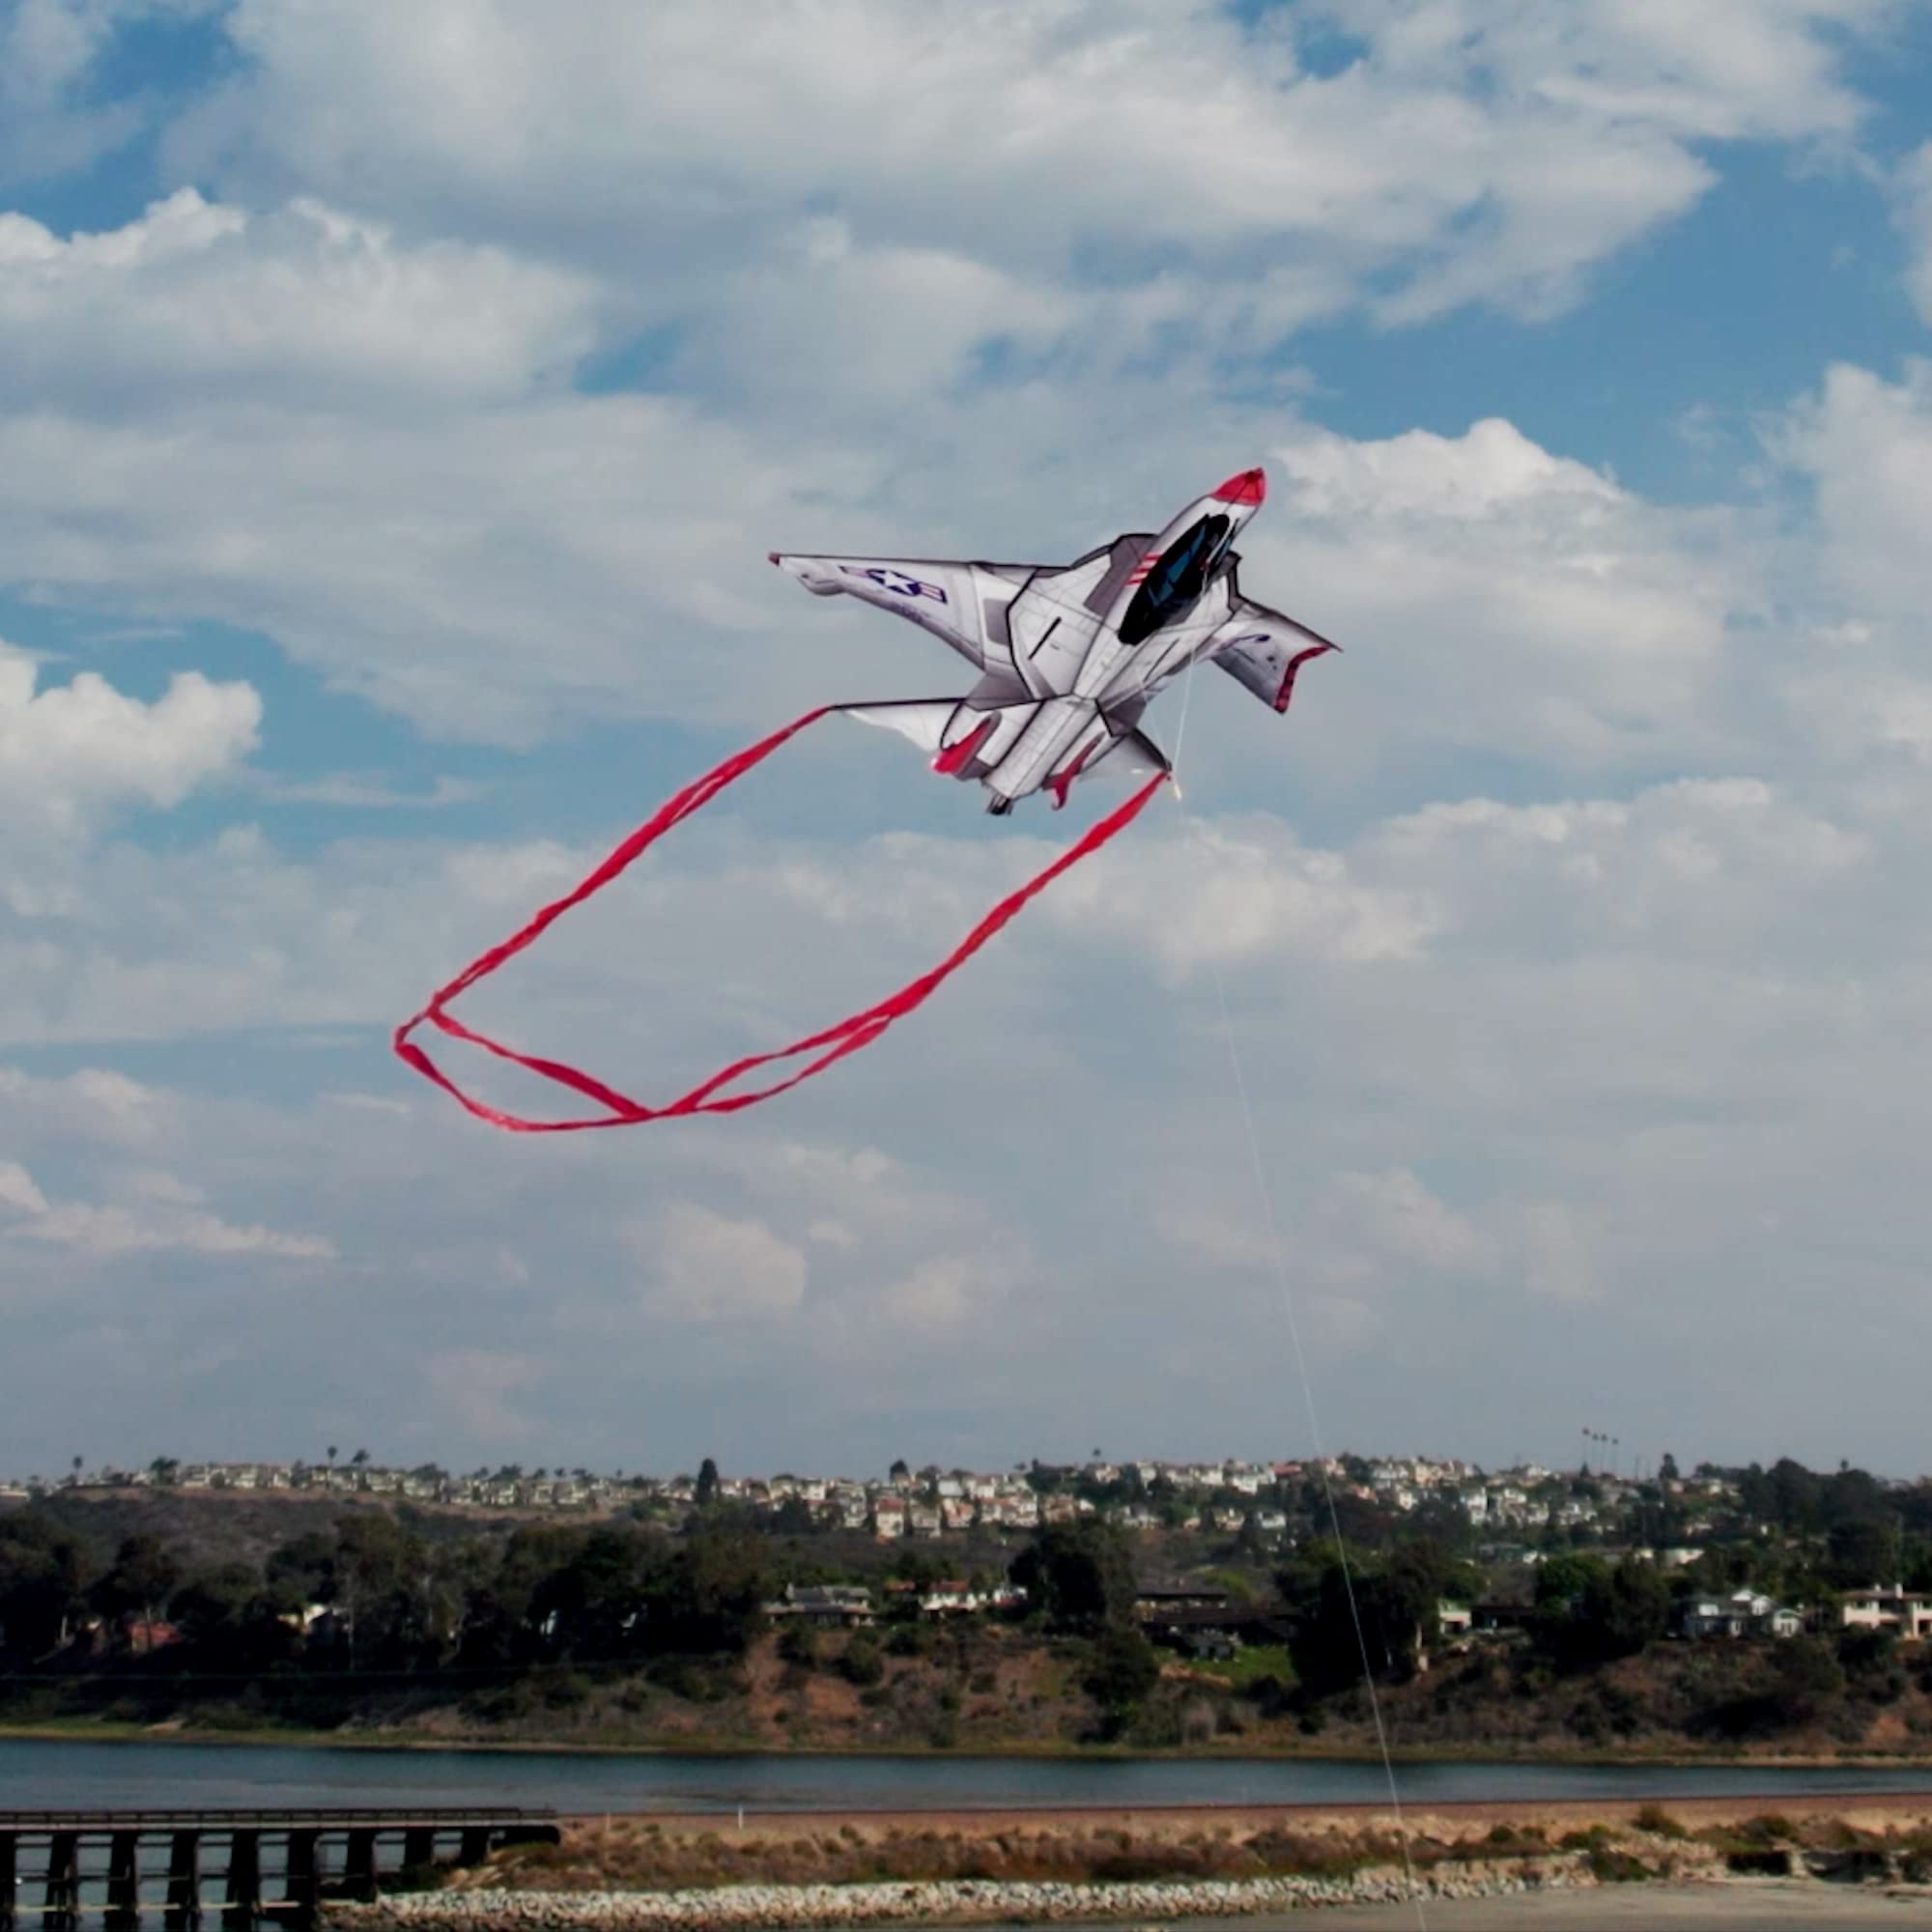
<point x="1245" y="486"/>
<point x="771" y="557"/>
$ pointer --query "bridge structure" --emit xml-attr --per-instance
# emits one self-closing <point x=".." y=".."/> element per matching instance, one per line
<point x="59" y="1870"/>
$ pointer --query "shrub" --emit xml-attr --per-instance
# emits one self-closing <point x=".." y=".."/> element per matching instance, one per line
<point x="863" y="1663"/>
<point x="1658" y="1822"/>
<point x="1121" y="1669"/>
<point x="1610" y="1867"/>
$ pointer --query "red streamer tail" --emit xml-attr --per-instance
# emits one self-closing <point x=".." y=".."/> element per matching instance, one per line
<point x="825" y="1046"/>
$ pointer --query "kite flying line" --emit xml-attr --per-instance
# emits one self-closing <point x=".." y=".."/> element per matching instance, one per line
<point x="829" y="1045"/>
<point x="1284" y="1283"/>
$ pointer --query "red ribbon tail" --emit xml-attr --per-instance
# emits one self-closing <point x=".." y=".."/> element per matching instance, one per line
<point x="829" y="1045"/>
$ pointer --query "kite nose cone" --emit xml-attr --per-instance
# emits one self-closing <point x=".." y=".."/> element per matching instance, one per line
<point x="1245" y="486"/>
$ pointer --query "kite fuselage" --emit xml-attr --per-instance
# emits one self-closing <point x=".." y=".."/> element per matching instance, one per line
<point x="1092" y="644"/>
<point x="1070" y="655"/>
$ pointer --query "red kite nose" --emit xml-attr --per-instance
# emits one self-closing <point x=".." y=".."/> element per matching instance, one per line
<point x="1245" y="486"/>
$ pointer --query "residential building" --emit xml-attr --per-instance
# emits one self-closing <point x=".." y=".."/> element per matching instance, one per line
<point x="1889" y="1606"/>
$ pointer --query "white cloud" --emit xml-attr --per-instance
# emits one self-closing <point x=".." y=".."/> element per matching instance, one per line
<point x="112" y="1230"/>
<point x="1240" y="891"/>
<point x="49" y="50"/>
<point x="1697" y="867"/>
<point x="470" y="1391"/>
<point x="96" y="1103"/>
<point x="72" y="750"/>
<point x="1504" y="599"/>
<point x="1865" y="446"/>
<point x="1000" y="308"/>
<point x="165" y="1213"/>
<point x="1396" y="1213"/>
<point x="1502" y="150"/>
<point x="17" y="1193"/>
<point x="942" y="1292"/>
<point x="1561" y="1251"/>
<point x="196" y="302"/>
<point x="703" y="1267"/>
<point x="490" y="574"/>
<point x="1911" y="208"/>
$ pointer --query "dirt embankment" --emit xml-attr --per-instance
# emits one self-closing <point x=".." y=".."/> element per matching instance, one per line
<point x="844" y="1870"/>
<point x="1705" y="1837"/>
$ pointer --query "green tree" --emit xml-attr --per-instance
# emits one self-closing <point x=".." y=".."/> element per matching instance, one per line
<point x="1589" y="1612"/>
<point x="705" y="1493"/>
<point x="596" y="1602"/>
<point x="301" y="1572"/>
<point x="1863" y="1551"/>
<point x="1080" y="1575"/>
<point x="41" y="1574"/>
<point x="375" y="1564"/>
<point x="143" y="1577"/>
<point x="215" y="1603"/>
<point x="708" y="1598"/>
<point x="1348" y="1609"/>
<point x="1624" y="1611"/>
<point x="794" y="1517"/>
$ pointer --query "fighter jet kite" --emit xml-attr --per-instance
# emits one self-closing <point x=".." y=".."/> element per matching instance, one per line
<point x="1070" y="655"/>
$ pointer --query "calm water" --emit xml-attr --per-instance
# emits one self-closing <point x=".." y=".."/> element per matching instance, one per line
<point x="72" y="1774"/>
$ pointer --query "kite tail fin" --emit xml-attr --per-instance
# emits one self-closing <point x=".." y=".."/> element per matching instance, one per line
<point x="1139" y="753"/>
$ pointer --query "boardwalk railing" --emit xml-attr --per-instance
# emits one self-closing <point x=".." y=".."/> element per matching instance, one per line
<point x="268" y="1863"/>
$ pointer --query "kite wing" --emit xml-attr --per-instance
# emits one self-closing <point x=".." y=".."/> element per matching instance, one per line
<point x="1264" y="649"/>
<point x="962" y="603"/>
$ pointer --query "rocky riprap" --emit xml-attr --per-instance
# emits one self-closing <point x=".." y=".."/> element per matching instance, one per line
<point x="941" y="1901"/>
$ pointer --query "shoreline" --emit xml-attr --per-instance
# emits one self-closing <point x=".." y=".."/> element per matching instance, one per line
<point x="1543" y="1897"/>
<point x="299" y="1740"/>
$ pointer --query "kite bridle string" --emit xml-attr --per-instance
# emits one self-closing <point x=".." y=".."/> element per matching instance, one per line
<point x="1284" y="1281"/>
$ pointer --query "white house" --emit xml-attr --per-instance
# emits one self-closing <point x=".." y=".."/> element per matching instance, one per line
<point x="1889" y="1606"/>
<point x="1739" y="1613"/>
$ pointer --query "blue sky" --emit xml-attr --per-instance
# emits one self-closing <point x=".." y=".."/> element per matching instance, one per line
<point x="396" y="407"/>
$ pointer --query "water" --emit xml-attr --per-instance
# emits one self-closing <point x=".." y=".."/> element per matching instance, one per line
<point x="95" y="1775"/>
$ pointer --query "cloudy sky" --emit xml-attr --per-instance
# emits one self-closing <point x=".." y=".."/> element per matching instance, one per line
<point x="396" y="407"/>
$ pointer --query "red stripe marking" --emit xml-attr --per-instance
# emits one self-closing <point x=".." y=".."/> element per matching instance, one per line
<point x="955" y="756"/>
<point x="829" y="1045"/>
<point x="1062" y="781"/>
<point x="1294" y="663"/>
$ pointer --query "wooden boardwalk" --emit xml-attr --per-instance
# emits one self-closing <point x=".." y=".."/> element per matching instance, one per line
<point x="59" y="1868"/>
